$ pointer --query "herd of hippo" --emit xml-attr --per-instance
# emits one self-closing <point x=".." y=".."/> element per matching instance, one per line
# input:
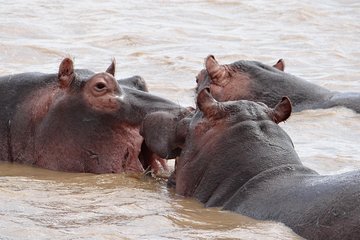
<point x="230" y="151"/>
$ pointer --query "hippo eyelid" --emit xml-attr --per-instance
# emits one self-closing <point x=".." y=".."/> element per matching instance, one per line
<point x="100" y="86"/>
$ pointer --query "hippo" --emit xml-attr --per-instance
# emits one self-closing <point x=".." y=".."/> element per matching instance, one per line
<point x="77" y="120"/>
<point x="235" y="156"/>
<point x="252" y="80"/>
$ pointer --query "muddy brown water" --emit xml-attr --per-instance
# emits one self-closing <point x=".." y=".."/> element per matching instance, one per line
<point x="166" y="42"/>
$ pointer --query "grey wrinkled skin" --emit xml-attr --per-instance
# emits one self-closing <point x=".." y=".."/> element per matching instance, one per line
<point x="52" y="122"/>
<point x="255" y="81"/>
<point x="235" y="156"/>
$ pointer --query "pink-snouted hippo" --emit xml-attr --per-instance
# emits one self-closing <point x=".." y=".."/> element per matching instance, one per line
<point x="235" y="156"/>
<point x="255" y="81"/>
<point x="77" y="120"/>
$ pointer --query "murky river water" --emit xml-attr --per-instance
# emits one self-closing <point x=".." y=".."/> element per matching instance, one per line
<point x="166" y="42"/>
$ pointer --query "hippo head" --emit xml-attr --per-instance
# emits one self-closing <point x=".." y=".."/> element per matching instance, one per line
<point x="100" y="92"/>
<point x="233" y="112"/>
<point x="248" y="80"/>
<point x="86" y="125"/>
<point x="231" y="139"/>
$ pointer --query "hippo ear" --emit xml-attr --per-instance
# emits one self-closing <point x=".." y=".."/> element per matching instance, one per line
<point x="111" y="68"/>
<point x="281" y="111"/>
<point x="215" y="70"/>
<point x="207" y="104"/>
<point x="66" y="73"/>
<point x="280" y="65"/>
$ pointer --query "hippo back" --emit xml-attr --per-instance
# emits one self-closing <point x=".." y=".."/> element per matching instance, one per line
<point x="14" y="89"/>
<point x="268" y="84"/>
<point x="314" y="206"/>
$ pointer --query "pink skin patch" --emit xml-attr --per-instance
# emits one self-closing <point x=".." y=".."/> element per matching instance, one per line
<point x="232" y="86"/>
<point x="102" y="93"/>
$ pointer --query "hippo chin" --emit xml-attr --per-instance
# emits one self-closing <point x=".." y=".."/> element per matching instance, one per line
<point x="255" y="81"/>
<point x="77" y="120"/>
<point x="235" y="156"/>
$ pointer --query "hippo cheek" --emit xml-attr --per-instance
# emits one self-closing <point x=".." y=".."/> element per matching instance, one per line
<point x="217" y="92"/>
<point x="126" y="148"/>
<point x="109" y="103"/>
<point x="223" y="93"/>
<point x="237" y="88"/>
<point x="116" y="152"/>
<point x="131" y="163"/>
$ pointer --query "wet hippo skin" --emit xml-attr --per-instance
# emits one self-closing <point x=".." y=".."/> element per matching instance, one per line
<point x="235" y="156"/>
<point x="76" y="120"/>
<point x="252" y="80"/>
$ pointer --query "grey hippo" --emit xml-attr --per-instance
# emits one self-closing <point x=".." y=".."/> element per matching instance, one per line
<point x="236" y="156"/>
<point x="77" y="120"/>
<point x="253" y="80"/>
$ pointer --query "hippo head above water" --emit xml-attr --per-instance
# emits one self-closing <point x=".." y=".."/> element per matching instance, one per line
<point x="85" y="125"/>
<point x="236" y="156"/>
<point x="255" y="81"/>
<point x="227" y="138"/>
<point x="76" y="120"/>
<point x="239" y="80"/>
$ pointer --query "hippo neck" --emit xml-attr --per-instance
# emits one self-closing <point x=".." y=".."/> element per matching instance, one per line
<point x="303" y="94"/>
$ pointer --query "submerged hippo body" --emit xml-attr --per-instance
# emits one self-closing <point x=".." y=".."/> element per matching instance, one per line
<point x="255" y="81"/>
<point x="75" y="120"/>
<point x="235" y="156"/>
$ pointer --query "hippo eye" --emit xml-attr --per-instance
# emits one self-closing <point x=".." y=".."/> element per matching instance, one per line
<point x="197" y="80"/>
<point x="100" y="86"/>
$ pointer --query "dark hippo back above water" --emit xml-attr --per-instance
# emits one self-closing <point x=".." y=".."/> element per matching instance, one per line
<point x="235" y="156"/>
<point x="76" y="120"/>
<point x="252" y="80"/>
